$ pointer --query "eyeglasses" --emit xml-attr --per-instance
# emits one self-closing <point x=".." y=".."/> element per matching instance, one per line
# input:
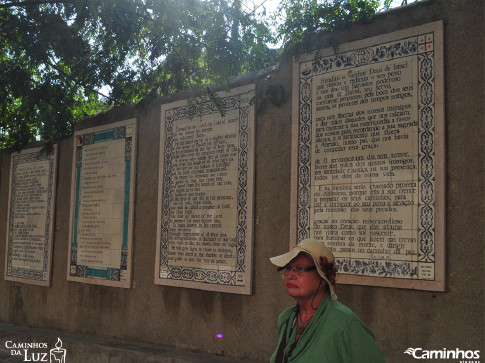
<point x="299" y="270"/>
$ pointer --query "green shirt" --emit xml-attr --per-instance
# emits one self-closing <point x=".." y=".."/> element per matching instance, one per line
<point x="334" y="335"/>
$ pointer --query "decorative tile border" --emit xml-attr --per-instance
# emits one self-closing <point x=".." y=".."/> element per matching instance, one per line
<point x="236" y="279"/>
<point x="13" y="271"/>
<point x="425" y="44"/>
<point x="120" y="275"/>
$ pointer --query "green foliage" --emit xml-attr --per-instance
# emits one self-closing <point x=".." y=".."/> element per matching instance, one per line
<point x="56" y="56"/>
<point x="387" y="3"/>
<point x="304" y="17"/>
<point x="61" y="61"/>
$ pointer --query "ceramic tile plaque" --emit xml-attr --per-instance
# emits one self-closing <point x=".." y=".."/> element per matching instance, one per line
<point x="205" y="206"/>
<point x="31" y="216"/>
<point x="102" y="197"/>
<point x="368" y="157"/>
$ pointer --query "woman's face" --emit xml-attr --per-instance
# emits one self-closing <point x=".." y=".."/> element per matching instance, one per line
<point x="304" y="284"/>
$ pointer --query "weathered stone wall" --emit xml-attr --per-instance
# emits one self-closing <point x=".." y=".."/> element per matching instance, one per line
<point x="188" y="318"/>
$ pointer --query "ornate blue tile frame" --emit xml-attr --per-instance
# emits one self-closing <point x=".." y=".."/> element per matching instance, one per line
<point x="118" y="276"/>
<point x="19" y="273"/>
<point x="195" y="274"/>
<point x="422" y="46"/>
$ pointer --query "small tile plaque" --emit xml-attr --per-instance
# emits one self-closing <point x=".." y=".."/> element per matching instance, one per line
<point x="30" y="227"/>
<point x="102" y="197"/>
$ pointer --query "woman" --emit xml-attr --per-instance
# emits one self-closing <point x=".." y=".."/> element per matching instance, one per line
<point x="318" y="329"/>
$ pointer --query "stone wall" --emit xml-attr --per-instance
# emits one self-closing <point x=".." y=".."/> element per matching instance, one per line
<point x="189" y="318"/>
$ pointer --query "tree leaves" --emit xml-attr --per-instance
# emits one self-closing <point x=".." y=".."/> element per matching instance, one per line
<point x="55" y="56"/>
<point x="307" y="16"/>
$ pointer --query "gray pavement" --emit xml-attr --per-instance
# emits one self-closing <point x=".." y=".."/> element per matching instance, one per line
<point x="17" y="344"/>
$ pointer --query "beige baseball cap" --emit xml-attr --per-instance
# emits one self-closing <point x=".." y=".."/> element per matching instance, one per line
<point x="315" y="249"/>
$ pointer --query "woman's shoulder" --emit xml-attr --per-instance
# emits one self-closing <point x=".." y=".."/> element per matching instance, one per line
<point x="341" y="313"/>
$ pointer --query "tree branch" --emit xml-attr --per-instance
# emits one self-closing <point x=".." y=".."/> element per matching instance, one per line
<point x="76" y="81"/>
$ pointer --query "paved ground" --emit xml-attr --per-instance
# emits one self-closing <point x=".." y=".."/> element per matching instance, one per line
<point x="80" y="348"/>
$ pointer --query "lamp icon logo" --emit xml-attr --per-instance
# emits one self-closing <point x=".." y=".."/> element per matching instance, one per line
<point x="58" y="354"/>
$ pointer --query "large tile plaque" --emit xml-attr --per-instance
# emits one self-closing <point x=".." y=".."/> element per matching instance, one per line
<point x="368" y="157"/>
<point x="102" y="197"/>
<point x="30" y="226"/>
<point x="205" y="206"/>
